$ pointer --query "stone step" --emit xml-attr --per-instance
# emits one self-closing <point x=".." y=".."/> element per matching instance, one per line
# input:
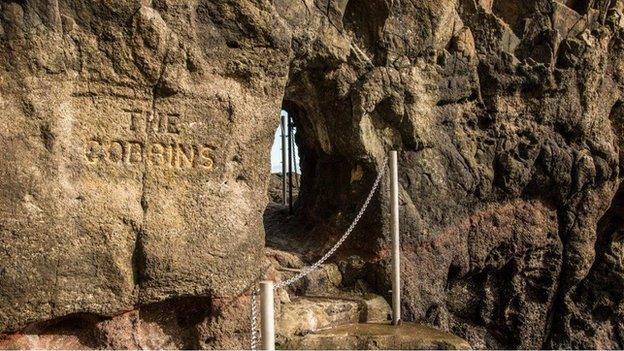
<point x="304" y="315"/>
<point x="371" y="336"/>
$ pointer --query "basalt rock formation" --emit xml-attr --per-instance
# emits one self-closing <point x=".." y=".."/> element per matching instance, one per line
<point x="134" y="166"/>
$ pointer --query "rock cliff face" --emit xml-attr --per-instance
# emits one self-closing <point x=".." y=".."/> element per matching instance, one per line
<point x="135" y="144"/>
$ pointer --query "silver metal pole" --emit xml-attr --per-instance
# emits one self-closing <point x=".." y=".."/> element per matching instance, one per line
<point x="290" y="166"/>
<point x="284" y="160"/>
<point x="396" y="259"/>
<point x="267" y="317"/>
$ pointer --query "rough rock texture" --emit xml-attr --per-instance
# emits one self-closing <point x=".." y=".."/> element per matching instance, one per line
<point x="275" y="187"/>
<point x="507" y="115"/>
<point x="181" y="323"/>
<point x="131" y="171"/>
<point x="135" y="142"/>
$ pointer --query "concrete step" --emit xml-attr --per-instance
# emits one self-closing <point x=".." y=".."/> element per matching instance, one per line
<point x="376" y="336"/>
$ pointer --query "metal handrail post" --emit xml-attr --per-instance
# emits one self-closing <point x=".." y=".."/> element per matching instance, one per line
<point x="396" y="247"/>
<point x="267" y="315"/>
<point x="284" y="201"/>
<point x="290" y="167"/>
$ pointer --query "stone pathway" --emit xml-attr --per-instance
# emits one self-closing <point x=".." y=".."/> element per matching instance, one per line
<point x="318" y="314"/>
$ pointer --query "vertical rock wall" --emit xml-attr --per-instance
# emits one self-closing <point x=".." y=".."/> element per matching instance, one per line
<point x="507" y="115"/>
<point x="132" y="167"/>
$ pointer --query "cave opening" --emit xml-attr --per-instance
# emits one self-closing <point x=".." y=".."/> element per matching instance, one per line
<point x="329" y="188"/>
<point x="292" y="170"/>
<point x="335" y="176"/>
<point x="285" y="171"/>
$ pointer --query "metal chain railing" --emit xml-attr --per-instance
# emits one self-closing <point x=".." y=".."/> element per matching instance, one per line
<point x="305" y="271"/>
<point x="254" y="318"/>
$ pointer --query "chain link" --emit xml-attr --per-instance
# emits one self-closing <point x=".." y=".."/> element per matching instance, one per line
<point x="254" y="319"/>
<point x="306" y="270"/>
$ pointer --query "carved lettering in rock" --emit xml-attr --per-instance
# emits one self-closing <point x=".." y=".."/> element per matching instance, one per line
<point x="157" y="122"/>
<point x="172" y="155"/>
